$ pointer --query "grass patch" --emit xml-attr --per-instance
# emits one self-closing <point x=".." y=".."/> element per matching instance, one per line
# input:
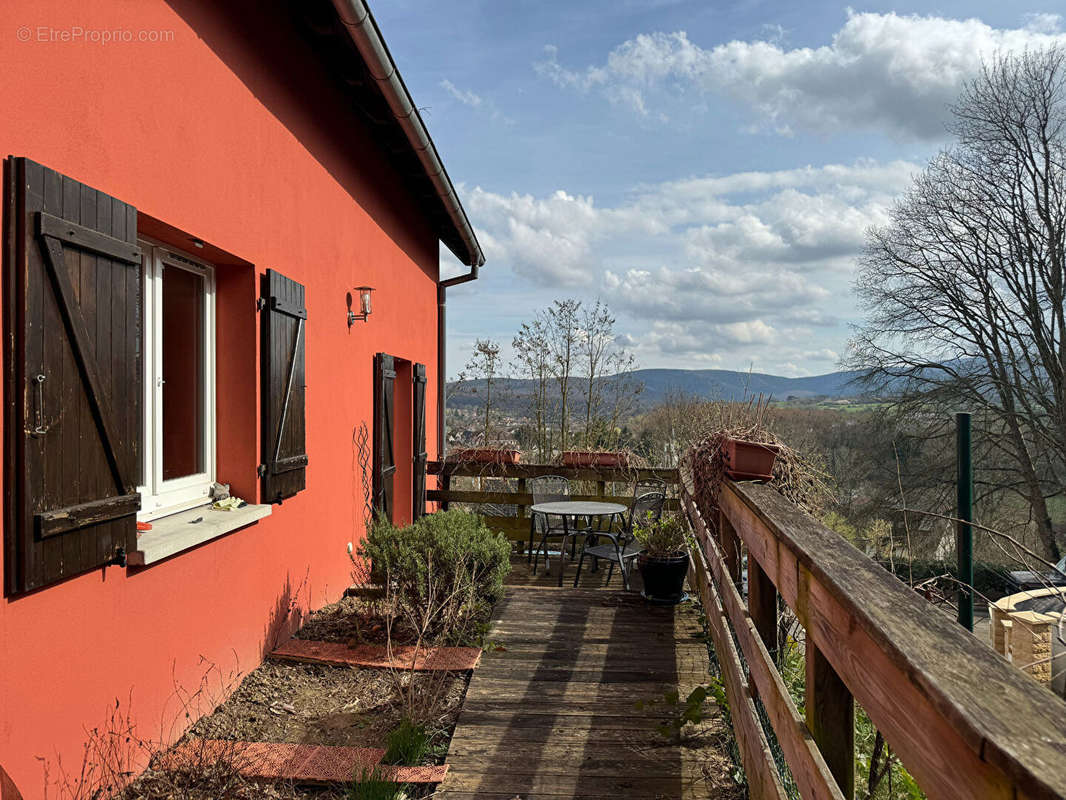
<point x="372" y="786"/>
<point x="407" y="745"/>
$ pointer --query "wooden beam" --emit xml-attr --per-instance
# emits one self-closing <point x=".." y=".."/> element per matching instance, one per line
<point x="762" y="604"/>
<point x="808" y="767"/>
<point x="608" y="474"/>
<point x="831" y="719"/>
<point x="730" y="544"/>
<point x="923" y="680"/>
<point x="764" y="782"/>
<point x="523" y="498"/>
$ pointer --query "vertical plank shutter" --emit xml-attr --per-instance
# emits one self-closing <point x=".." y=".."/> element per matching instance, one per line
<point x="282" y="353"/>
<point x="418" y="489"/>
<point x="384" y="414"/>
<point x="74" y="377"/>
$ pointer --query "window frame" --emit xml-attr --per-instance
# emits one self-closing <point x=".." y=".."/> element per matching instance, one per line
<point x="161" y="497"/>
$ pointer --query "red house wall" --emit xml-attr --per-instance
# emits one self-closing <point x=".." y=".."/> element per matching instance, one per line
<point x="227" y="130"/>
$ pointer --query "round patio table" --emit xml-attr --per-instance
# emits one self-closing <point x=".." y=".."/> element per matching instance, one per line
<point x="571" y="510"/>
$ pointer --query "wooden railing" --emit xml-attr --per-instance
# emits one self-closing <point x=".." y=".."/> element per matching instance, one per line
<point x="963" y="722"/>
<point x="611" y="484"/>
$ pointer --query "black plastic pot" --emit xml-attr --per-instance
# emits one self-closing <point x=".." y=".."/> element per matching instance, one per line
<point x="664" y="578"/>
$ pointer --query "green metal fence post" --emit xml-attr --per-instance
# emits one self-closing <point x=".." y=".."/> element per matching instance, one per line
<point x="963" y="529"/>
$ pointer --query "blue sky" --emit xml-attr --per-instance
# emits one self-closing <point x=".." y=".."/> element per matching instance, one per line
<point x="708" y="169"/>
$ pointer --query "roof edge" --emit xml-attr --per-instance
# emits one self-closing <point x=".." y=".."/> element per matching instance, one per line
<point x="364" y="32"/>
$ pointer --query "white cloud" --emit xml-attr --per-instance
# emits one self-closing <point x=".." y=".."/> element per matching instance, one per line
<point x="888" y="71"/>
<point x="1043" y="23"/>
<point x="467" y="98"/>
<point x="750" y="263"/>
<point x="549" y="241"/>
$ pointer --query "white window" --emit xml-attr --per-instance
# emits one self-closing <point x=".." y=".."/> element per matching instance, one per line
<point x="179" y="382"/>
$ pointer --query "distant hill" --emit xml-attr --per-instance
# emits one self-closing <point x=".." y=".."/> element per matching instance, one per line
<point x="708" y="384"/>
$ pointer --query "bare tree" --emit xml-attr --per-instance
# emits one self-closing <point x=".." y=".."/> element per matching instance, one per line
<point x="562" y="335"/>
<point x="964" y="289"/>
<point x="531" y="355"/>
<point x="610" y="389"/>
<point x="480" y="374"/>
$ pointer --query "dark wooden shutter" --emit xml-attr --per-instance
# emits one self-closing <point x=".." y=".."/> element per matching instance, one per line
<point x="418" y="489"/>
<point x="282" y="353"/>
<point x="384" y="415"/>
<point x="74" y="376"/>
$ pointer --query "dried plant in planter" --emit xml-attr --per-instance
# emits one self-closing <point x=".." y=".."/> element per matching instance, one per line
<point x="795" y="475"/>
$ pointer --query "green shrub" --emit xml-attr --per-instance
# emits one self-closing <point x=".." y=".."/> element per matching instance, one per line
<point x="662" y="538"/>
<point x="443" y="570"/>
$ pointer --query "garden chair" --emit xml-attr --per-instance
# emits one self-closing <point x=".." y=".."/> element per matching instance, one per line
<point x="645" y="485"/>
<point x="623" y="547"/>
<point x="546" y="489"/>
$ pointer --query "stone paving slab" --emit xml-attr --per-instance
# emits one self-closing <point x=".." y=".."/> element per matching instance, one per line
<point x="453" y="659"/>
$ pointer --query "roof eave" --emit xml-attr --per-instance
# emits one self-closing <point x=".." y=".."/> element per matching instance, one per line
<point x="365" y="35"/>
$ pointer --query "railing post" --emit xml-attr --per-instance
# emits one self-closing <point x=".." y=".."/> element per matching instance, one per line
<point x="445" y="485"/>
<point x="831" y="719"/>
<point x="762" y="604"/>
<point x="521" y="509"/>
<point x="730" y="542"/>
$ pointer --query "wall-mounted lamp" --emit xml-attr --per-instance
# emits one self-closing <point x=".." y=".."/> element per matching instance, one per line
<point x="364" y="304"/>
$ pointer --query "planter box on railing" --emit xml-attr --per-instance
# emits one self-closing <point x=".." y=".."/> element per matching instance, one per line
<point x="486" y="455"/>
<point x="583" y="458"/>
<point x="749" y="461"/>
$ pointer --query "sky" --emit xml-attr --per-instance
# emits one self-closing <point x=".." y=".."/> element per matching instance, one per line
<point x="708" y="169"/>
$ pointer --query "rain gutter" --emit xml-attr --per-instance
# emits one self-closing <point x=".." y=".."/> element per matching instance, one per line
<point x="364" y="33"/>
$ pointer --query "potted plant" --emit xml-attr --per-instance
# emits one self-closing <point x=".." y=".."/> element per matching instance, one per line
<point x="749" y="461"/>
<point x="664" y="562"/>
<point x="593" y="458"/>
<point x="488" y="455"/>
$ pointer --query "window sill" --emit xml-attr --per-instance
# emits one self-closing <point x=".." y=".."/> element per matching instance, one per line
<point x="178" y="532"/>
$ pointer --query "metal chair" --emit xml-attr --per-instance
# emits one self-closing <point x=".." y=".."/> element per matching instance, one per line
<point x="623" y="547"/>
<point x="645" y="485"/>
<point x="546" y="489"/>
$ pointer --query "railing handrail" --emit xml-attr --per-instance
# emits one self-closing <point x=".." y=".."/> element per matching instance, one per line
<point x="609" y="474"/>
<point x="963" y="721"/>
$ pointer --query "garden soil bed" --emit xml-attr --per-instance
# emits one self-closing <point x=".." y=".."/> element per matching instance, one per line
<point x="337" y="706"/>
<point x="359" y="620"/>
<point x="351" y="620"/>
<point x="312" y="704"/>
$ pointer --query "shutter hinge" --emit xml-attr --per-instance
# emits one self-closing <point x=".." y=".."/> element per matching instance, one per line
<point x="119" y="558"/>
<point x="261" y="470"/>
<point x="260" y="304"/>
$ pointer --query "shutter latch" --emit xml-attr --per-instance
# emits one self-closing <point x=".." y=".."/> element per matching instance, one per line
<point x="261" y="470"/>
<point x="260" y="304"/>
<point x="40" y="429"/>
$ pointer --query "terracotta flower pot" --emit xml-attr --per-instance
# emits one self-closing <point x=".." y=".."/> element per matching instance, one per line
<point x="581" y="458"/>
<point x="488" y="455"/>
<point x="749" y="461"/>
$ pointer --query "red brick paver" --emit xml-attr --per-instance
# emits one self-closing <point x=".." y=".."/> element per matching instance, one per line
<point x="370" y="655"/>
<point x="305" y="763"/>
<point x="414" y="774"/>
<point x="302" y="763"/>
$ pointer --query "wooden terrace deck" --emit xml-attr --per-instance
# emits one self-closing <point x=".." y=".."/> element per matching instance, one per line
<point x="551" y="712"/>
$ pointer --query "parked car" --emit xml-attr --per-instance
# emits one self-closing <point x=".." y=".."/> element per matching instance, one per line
<point x="1027" y="579"/>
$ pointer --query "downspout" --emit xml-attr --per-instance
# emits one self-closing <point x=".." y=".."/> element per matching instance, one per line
<point x="442" y="360"/>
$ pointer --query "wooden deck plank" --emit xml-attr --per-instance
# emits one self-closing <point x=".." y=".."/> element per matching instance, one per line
<point x="552" y="711"/>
